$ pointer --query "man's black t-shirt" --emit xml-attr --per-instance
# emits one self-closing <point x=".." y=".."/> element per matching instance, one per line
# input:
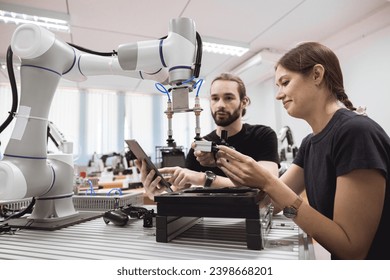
<point x="257" y="141"/>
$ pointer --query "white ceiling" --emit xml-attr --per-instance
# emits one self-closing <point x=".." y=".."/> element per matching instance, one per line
<point x="269" y="27"/>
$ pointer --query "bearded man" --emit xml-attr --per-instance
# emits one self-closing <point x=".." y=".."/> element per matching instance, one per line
<point x="228" y="103"/>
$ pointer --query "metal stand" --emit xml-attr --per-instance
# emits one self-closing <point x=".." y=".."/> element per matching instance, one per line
<point x="179" y="211"/>
<point x="167" y="228"/>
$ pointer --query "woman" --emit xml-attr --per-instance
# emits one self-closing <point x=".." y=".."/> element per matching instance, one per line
<point x="343" y="164"/>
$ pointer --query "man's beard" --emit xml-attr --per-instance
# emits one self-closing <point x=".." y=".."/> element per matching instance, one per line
<point x="231" y="117"/>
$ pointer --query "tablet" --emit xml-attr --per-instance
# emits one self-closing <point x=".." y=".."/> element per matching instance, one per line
<point x="140" y="154"/>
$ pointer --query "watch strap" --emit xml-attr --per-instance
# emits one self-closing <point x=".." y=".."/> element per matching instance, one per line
<point x="292" y="210"/>
<point x="210" y="177"/>
<point x="297" y="203"/>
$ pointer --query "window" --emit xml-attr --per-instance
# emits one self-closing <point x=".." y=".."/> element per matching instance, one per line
<point x="65" y="114"/>
<point x="101" y="122"/>
<point x="139" y="120"/>
<point x="183" y="124"/>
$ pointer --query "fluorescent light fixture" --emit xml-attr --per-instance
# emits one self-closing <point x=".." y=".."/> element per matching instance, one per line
<point x="264" y="55"/>
<point x="18" y="15"/>
<point x="219" y="46"/>
<point x="251" y="62"/>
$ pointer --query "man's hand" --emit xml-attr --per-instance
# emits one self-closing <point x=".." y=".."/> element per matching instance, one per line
<point x="151" y="186"/>
<point x="204" y="158"/>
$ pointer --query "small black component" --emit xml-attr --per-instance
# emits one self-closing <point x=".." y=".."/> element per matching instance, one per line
<point x="117" y="217"/>
<point x="148" y="219"/>
<point x="120" y="216"/>
<point x="6" y="229"/>
<point x="223" y="141"/>
<point x="224" y="137"/>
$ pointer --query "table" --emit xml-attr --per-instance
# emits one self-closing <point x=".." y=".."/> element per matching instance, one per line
<point x="211" y="238"/>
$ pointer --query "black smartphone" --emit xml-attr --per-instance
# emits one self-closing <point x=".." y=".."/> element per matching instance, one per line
<point x="140" y="154"/>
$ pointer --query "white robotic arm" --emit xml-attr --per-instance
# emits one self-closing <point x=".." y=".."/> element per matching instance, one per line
<point x="176" y="52"/>
<point x="156" y="60"/>
<point x="59" y="139"/>
<point x="285" y="133"/>
<point x="170" y="60"/>
<point x="26" y="169"/>
<point x="93" y="65"/>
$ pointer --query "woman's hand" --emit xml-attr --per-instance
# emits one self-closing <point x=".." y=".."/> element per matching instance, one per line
<point x="242" y="170"/>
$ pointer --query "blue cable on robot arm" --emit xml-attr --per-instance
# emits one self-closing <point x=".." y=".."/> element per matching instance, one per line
<point x="160" y="87"/>
<point x="199" y="82"/>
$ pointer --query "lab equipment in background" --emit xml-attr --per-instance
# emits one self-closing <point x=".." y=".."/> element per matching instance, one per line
<point x="106" y="175"/>
<point x="116" y="164"/>
<point x="106" y="200"/>
<point x="27" y="170"/>
<point x="132" y="180"/>
<point x="287" y="153"/>
<point x="83" y="184"/>
<point x="94" y="166"/>
<point x="167" y="156"/>
<point x="132" y="173"/>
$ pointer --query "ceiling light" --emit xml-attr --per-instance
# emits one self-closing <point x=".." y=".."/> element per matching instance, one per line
<point x="19" y="15"/>
<point x="251" y="62"/>
<point x="225" y="47"/>
<point x="266" y="54"/>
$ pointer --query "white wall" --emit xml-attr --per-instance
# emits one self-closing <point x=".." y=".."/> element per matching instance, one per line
<point x="366" y="68"/>
<point x="262" y="105"/>
<point x="265" y="109"/>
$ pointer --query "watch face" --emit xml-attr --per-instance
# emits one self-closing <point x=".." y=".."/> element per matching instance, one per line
<point x="210" y="175"/>
<point x="290" y="212"/>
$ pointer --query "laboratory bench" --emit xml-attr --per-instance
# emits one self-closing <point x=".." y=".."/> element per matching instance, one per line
<point x="209" y="238"/>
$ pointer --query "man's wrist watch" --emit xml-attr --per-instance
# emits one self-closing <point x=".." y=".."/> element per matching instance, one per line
<point x="292" y="210"/>
<point x="210" y="177"/>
